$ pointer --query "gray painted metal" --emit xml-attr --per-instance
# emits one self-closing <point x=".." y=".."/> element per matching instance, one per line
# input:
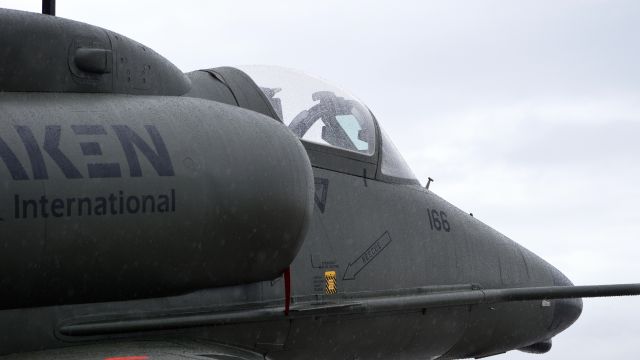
<point x="116" y="197"/>
<point x="380" y="267"/>
<point x="52" y="54"/>
<point x="538" y="348"/>
<point x="418" y="299"/>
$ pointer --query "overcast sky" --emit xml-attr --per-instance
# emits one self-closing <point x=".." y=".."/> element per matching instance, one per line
<point x="525" y="113"/>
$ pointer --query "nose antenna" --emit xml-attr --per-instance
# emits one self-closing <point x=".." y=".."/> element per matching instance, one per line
<point x="49" y="7"/>
<point x="428" y="183"/>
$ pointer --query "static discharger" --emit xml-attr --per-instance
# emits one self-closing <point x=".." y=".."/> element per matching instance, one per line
<point x="331" y="286"/>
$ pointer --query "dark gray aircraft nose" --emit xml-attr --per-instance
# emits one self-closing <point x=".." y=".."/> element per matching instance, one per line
<point x="565" y="311"/>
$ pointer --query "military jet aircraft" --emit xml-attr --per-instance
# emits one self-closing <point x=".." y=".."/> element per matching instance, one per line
<point x="234" y="213"/>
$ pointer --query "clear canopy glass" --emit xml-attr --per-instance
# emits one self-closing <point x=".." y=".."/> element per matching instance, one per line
<point x="319" y="112"/>
<point x="315" y="110"/>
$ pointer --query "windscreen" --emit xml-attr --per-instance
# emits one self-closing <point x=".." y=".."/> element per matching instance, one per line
<point x="393" y="164"/>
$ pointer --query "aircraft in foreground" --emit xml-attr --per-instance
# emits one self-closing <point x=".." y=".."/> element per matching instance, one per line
<point x="234" y="214"/>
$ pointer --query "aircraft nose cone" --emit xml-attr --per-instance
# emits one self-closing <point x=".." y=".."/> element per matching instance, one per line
<point x="565" y="311"/>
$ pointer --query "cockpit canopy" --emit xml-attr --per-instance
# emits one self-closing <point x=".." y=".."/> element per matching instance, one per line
<point x="322" y="113"/>
<point x="316" y="111"/>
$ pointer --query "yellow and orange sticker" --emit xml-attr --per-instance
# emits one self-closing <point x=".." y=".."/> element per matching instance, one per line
<point x="331" y="283"/>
